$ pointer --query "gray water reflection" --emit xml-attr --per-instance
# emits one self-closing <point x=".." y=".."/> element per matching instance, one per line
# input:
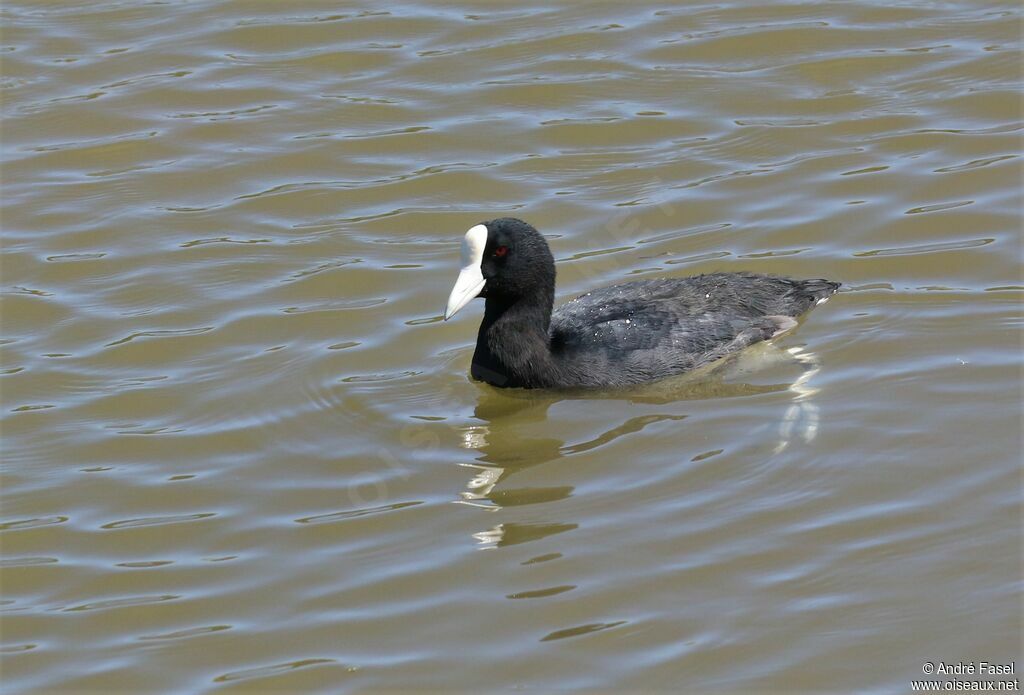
<point x="507" y="418"/>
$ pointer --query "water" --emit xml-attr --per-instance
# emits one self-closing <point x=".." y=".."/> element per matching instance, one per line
<point x="241" y="451"/>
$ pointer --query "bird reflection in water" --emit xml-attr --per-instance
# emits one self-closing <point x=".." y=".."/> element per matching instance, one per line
<point x="506" y="447"/>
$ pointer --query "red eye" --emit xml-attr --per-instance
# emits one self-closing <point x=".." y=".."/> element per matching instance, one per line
<point x="501" y="251"/>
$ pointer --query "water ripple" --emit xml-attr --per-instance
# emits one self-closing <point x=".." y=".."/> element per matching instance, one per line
<point x="157" y="520"/>
<point x="265" y="671"/>
<point x="128" y="602"/>
<point x="228" y="232"/>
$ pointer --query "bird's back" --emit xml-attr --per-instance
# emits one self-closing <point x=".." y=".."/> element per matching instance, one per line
<point x="649" y="329"/>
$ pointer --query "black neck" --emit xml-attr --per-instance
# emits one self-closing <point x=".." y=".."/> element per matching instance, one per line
<point x="513" y="346"/>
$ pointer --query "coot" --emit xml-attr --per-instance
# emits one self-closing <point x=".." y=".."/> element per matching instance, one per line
<point x="613" y="336"/>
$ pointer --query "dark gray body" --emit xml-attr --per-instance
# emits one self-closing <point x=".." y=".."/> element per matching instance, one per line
<point x="645" y="330"/>
<point x="655" y="328"/>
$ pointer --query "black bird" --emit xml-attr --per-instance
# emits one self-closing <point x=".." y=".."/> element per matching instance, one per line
<point x="613" y="336"/>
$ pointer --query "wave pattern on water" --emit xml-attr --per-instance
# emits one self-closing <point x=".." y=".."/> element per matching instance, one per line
<point x="233" y="418"/>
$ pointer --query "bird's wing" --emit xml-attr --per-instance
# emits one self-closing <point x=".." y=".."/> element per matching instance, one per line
<point x="614" y="318"/>
<point x="621" y="320"/>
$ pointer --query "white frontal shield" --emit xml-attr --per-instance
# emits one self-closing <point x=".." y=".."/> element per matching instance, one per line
<point x="470" y="281"/>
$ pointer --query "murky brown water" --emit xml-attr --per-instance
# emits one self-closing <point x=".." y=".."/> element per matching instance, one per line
<point x="241" y="451"/>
